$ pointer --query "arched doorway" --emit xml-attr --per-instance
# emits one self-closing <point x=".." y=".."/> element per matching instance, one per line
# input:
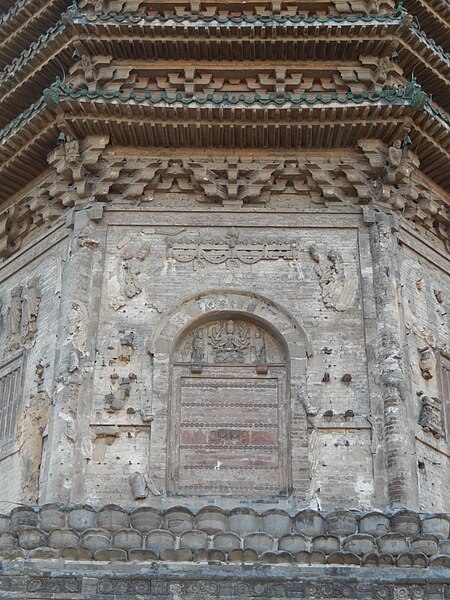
<point x="229" y="414"/>
<point x="197" y="353"/>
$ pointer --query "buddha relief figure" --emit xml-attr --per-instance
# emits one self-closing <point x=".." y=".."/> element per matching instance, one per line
<point x="229" y="342"/>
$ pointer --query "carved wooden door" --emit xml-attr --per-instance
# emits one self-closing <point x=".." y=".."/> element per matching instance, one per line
<point x="229" y="414"/>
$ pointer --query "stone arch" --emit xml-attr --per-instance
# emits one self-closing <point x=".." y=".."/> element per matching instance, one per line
<point x="188" y="312"/>
<point x="202" y="308"/>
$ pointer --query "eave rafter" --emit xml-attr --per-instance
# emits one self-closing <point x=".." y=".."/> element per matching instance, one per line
<point x="264" y="122"/>
<point x="434" y="18"/>
<point x="24" y="22"/>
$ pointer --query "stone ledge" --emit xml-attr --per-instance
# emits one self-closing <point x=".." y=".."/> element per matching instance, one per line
<point x="179" y="581"/>
<point x="242" y="535"/>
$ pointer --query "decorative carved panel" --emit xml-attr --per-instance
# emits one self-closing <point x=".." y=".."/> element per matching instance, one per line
<point x="229" y="341"/>
<point x="229" y="432"/>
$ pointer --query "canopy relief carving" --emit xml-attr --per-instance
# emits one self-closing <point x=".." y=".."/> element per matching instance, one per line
<point x="230" y="342"/>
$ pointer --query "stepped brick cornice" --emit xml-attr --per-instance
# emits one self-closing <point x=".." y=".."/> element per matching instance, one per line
<point x="343" y="179"/>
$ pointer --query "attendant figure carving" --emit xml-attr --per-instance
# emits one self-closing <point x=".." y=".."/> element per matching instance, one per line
<point x="132" y="265"/>
<point x="396" y="164"/>
<point x="259" y="348"/>
<point x="30" y="308"/>
<point x="14" y="318"/>
<point x="72" y="152"/>
<point x="198" y="347"/>
<point x="337" y="290"/>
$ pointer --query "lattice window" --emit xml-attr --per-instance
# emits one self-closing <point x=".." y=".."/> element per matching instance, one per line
<point x="10" y="394"/>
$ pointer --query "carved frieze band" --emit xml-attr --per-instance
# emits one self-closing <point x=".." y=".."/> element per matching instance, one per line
<point x="237" y="587"/>
<point x="232" y="250"/>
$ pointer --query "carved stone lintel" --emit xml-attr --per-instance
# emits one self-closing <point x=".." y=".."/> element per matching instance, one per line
<point x="233" y="250"/>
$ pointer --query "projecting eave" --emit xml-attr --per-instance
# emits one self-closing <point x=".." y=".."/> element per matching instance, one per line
<point x="165" y="39"/>
<point x="24" y="22"/>
<point x="434" y="18"/>
<point x="265" y="122"/>
<point x="422" y="58"/>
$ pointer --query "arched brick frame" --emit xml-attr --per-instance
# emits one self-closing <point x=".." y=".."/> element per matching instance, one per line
<point x="224" y="303"/>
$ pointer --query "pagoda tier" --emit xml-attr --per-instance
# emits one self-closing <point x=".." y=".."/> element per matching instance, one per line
<point x="355" y="46"/>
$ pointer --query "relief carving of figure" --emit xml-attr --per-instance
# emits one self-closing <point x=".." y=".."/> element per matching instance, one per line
<point x="395" y="163"/>
<point x="30" y="308"/>
<point x="21" y="318"/>
<point x="337" y="293"/>
<point x="77" y="326"/>
<point x="72" y="152"/>
<point x="126" y="347"/>
<point x="14" y="318"/>
<point x="382" y="71"/>
<point x="229" y="342"/>
<point x="427" y="362"/>
<point x="198" y="347"/>
<point x="132" y="265"/>
<point x="431" y="416"/>
<point x="259" y="347"/>
<point x="89" y="71"/>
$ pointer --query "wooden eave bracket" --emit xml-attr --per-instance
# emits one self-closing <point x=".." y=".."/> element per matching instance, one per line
<point x="34" y="66"/>
<point x="20" y="151"/>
